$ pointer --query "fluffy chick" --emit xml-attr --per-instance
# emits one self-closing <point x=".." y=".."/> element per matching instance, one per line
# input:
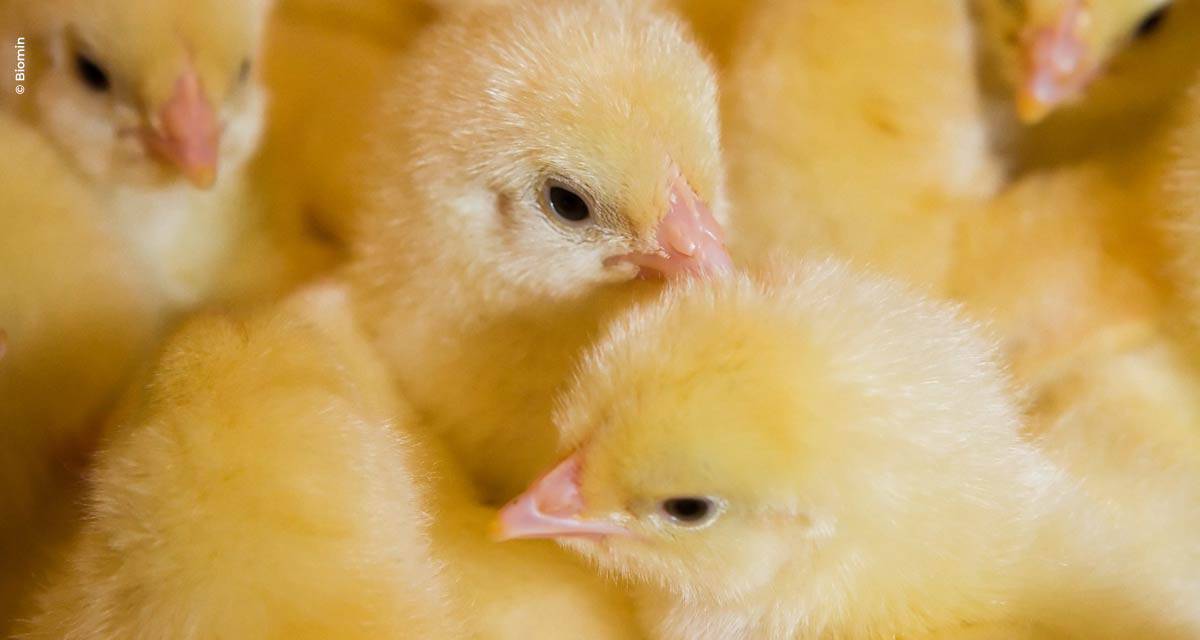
<point x="1070" y="267"/>
<point x="77" y="319"/>
<point x="809" y="453"/>
<point x="323" y="79"/>
<point x="268" y="484"/>
<point x="868" y="153"/>
<point x="143" y="98"/>
<point x="534" y="158"/>
<point x="253" y="487"/>
<point x="1077" y="67"/>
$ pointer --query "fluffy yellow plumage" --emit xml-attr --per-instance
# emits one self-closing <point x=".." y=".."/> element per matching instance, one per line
<point x="531" y="159"/>
<point x="810" y="453"/>
<point x="869" y="152"/>
<point x="264" y="482"/>
<point x="77" y="319"/>
<point x="253" y="487"/>
<point x="1183" y="187"/>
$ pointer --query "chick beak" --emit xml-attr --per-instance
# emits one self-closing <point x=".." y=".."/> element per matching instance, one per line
<point x="1056" y="67"/>
<point x="551" y="508"/>
<point x="690" y="240"/>
<point x="188" y="135"/>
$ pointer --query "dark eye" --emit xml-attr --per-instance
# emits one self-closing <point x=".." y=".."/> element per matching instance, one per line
<point x="91" y="73"/>
<point x="1152" y="22"/>
<point x="689" y="511"/>
<point x="244" y="71"/>
<point x="567" y="204"/>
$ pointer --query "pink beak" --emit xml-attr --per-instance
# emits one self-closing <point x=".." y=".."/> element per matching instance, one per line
<point x="551" y="508"/>
<point x="1056" y="68"/>
<point x="189" y="133"/>
<point x="690" y="240"/>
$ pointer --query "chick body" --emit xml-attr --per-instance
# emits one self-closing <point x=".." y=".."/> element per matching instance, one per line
<point x="857" y="129"/>
<point x="253" y="486"/>
<point x="861" y="471"/>
<point x="267" y="482"/>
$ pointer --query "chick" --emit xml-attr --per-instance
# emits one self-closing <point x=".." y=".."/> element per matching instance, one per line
<point x="870" y="153"/>
<point x="77" y="318"/>
<point x="268" y="484"/>
<point x="253" y="487"/>
<point x="532" y="161"/>
<point x="809" y="453"/>
<point x="147" y="101"/>
<point x="323" y="78"/>
<point x="1076" y="68"/>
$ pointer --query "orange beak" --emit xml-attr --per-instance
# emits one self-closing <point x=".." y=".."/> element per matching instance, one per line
<point x="552" y="508"/>
<point x="188" y="134"/>
<point x="1056" y="63"/>
<point x="690" y="240"/>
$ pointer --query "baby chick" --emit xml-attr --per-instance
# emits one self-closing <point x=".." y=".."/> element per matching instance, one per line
<point x="533" y="160"/>
<point x="144" y="98"/>
<point x="322" y="79"/>
<point x="1077" y="68"/>
<point x="253" y="487"/>
<point x="868" y="153"/>
<point x="267" y="483"/>
<point x="809" y="453"/>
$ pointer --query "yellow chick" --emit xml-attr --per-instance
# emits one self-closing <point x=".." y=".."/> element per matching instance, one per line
<point x="810" y="453"/>
<point x="1070" y="267"/>
<point x="143" y="98"/>
<point x="77" y="318"/>
<point x="266" y="483"/>
<point x="533" y="160"/>
<point x="322" y="79"/>
<point x="253" y="487"/>
<point x="1089" y="76"/>
<point x="869" y="153"/>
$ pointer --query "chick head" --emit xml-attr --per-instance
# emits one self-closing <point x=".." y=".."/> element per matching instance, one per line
<point x="147" y="92"/>
<point x="570" y="143"/>
<point x="1067" y="45"/>
<point x="805" y="425"/>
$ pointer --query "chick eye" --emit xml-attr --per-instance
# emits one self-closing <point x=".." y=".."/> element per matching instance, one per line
<point x="1152" y="23"/>
<point x="244" y="71"/>
<point x="91" y="73"/>
<point x="690" y="511"/>
<point x="566" y="203"/>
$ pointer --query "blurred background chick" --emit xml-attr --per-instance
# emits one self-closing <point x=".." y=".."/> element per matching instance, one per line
<point x="809" y="453"/>
<point x="1087" y="78"/>
<point x="870" y="154"/>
